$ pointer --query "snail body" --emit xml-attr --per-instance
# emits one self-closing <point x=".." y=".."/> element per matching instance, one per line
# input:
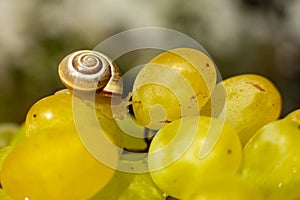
<point x="90" y="71"/>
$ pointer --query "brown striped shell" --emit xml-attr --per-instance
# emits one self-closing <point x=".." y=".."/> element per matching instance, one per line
<point x="90" y="71"/>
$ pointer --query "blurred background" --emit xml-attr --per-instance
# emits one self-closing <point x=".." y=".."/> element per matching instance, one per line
<point x="242" y="36"/>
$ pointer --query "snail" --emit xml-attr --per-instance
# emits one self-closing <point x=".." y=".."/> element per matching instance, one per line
<point x="89" y="71"/>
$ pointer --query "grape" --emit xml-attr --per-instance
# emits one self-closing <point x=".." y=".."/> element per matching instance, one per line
<point x="52" y="112"/>
<point x="175" y="160"/>
<point x="4" y="196"/>
<point x="103" y="106"/>
<point x="55" y="165"/>
<point x="250" y="102"/>
<point x="124" y="186"/>
<point x="231" y="187"/>
<point x="174" y="84"/>
<point x="55" y="112"/>
<point x="289" y="191"/>
<point x="3" y="153"/>
<point x="52" y="155"/>
<point x="294" y="116"/>
<point x="117" y="185"/>
<point x="142" y="188"/>
<point x="272" y="155"/>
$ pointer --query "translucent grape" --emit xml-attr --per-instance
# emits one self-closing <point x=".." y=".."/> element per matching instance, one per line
<point x="55" y="112"/>
<point x="272" y="155"/>
<point x="250" y="102"/>
<point x="175" y="161"/>
<point x="220" y="188"/>
<point x="294" y="116"/>
<point x="124" y="186"/>
<point x="174" y="84"/>
<point x="53" y="155"/>
<point x="54" y="165"/>
<point x="289" y="191"/>
<point x="4" y="196"/>
<point x="52" y="112"/>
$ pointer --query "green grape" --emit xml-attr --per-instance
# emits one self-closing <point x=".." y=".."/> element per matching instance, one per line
<point x="3" y="153"/>
<point x="55" y="112"/>
<point x="107" y="121"/>
<point x="294" y="116"/>
<point x="4" y="196"/>
<point x="231" y="187"/>
<point x="250" y="102"/>
<point x="142" y="187"/>
<point x="7" y="132"/>
<point x="52" y="112"/>
<point x="116" y="186"/>
<point x="272" y="155"/>
<point x="124" y="186"/>
<point x="175" y="160"/>
<point x="289" y="191"/>
<point x="174" y="84"/>
<point x="55" y="165"/>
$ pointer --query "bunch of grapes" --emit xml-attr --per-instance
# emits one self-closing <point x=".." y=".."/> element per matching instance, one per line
<point x="180" y="133"/>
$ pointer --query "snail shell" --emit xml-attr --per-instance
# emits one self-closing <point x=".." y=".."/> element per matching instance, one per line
<point x="90" y="71"/>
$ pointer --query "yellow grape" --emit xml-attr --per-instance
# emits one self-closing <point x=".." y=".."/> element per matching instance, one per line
<point x="3" y="153"/>
<point x="125" y="186"/>
<point x="250" y="102"/>
<point x="294" y="116"/>
<point x="175" y="160"/>
<point x="55" y="165"/>
<point x="272" y="155"/>
<point x="174" y="84"/>
<point x="103" y="106"/>
<point x="4" y="196"/>
<point x="289" y="191"/>
<point x="51" y="112"/>
<point x="55" y="112"/>
<point x="220" y="188"/>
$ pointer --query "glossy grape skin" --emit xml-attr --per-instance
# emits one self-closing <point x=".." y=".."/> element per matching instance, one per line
<point x="54" y="165"/>
<point x="294" y="116"/>
<point x="220" y="188"/>
<point x="272" y="155"/>
<point x="250" y="102"/>
<point x="116" y="186"/>
<point x="51" y="112"/>
<point x="124" y="186"/>
<point x="4" y="196"/>
<point x="174" y="84"/>
<point x="107" y="121"/>
<point x="51" y="132"/>
<point x="142" y="187"/>
<point x="55" y="112"/>
<point x="3" y="153"/>
<point x="186" y="165"/>
<point x="289" y="191"/>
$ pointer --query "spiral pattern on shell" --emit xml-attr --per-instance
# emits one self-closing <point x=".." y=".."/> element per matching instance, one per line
<point x="89" y="71"/>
